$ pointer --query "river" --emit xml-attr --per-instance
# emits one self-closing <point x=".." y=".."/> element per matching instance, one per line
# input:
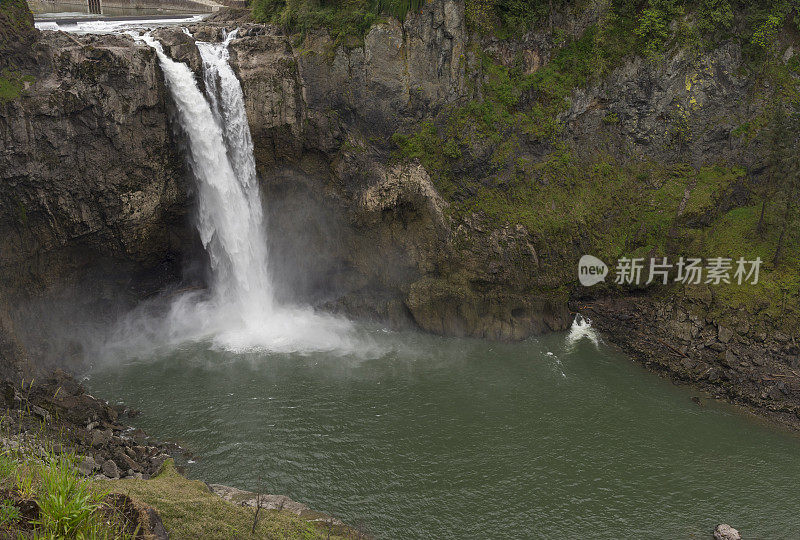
<point x="426" y="437"/>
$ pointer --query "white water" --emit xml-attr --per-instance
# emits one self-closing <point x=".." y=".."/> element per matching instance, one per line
<point x="110" y="27"/>
<point x="240" y="312"/>
<point x="581" y="329"/>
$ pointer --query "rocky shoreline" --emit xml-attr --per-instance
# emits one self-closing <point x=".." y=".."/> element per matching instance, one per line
<point x="60" y="409"/>
<point x="56" y="414"/>
<point x="679" y="339"/>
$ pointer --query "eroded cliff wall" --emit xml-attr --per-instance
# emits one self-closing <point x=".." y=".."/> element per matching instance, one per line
<point x="93" y="189"/>
<point x="428" y="175"/>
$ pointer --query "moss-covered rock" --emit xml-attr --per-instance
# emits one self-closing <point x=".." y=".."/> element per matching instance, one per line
<point x="17" y="35"/>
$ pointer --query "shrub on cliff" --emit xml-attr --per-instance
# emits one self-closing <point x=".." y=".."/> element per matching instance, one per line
<point x="342" y="18"/>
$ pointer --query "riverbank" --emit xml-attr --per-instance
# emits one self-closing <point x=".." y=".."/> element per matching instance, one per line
<point x="677" y="338"/>
<point x="54" y="425"/>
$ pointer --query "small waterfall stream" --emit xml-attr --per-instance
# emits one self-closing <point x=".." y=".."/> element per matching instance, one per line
<point x="240" y="312"/>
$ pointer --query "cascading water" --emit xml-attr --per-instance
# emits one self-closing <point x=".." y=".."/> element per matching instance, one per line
<point x="240" y="312"/>
<point x="230" y="218"/>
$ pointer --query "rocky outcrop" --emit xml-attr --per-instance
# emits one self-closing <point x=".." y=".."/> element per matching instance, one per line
<point x="684" y="107"/>
<point x="59" y="410"/>
<point x="404" y="72"/>
<point x="724" y="531"/>
<point x="266" y="501"/>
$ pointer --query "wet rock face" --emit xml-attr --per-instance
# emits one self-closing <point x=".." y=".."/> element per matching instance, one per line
<point x="93" y="189"/>
<point x="90" y="168"/>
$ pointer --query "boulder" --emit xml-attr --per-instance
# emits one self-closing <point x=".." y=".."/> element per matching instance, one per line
<point x="124" y="461"/>
<point x="100" y="437"/>
<point x="724" y="334"/>
<point x="87" y="466"/>
<point x="110" y="469"/>
<point x="724" y="531"/>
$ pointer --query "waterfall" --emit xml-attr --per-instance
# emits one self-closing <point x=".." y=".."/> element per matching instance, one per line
<point x="240" y="313"/>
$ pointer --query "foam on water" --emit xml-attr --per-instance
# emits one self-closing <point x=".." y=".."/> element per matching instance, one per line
<point x="582" y="329"/>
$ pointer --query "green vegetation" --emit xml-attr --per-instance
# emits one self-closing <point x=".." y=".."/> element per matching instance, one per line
<point x="69" y="506"/>
<point x="515" y="108"/>
<point x="12" y="84"/>
<point x="15" y="15"/>
<point x="777" y="295"/>
<point x="655" y="24"/>
<point x="522" y="171"/>
<point x="16" y="31"/>
<point x="190" y="510"/>
<point x="347" y="21"/>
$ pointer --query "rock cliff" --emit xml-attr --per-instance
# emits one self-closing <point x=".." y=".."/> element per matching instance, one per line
<point x="94" y="199"/>
<point x="434" y="176"/>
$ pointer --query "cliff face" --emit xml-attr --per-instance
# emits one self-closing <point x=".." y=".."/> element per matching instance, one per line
<point x="465" y="254"/>
<point x="90" y="166"/>
<point x="379" y="238"/>
<point x="93" y="194"/>
<point x="429" y="175"/>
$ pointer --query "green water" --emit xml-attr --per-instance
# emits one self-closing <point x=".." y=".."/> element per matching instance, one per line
<point x="445" y="438"/>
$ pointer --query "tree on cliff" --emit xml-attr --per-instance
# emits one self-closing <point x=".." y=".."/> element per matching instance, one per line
<point x="777" y="139"/>
<point x="790" y="190"/>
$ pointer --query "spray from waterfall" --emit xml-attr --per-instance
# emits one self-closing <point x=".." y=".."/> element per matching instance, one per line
<point x="239" y="312"/>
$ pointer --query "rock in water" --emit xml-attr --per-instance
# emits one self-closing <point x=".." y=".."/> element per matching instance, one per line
<point x="724" y="531"/>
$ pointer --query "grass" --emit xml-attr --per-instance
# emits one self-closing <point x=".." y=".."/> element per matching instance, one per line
<point x="9" y="514"/>
<point x="189" y="510"/>
<point x="70" y="506"/>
